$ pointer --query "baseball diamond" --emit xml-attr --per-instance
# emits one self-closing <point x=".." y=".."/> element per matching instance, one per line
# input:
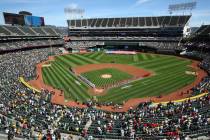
<point x="104" y="77"/>
<point x="168" y="75"/>
<point x="94" y="76"/>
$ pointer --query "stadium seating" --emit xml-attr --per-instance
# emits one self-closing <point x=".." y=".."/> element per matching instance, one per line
<point x="28" y="114"/>
<point x="14" y="45"/>
<point x="162" y="45"/>
<point x="49" y="31"/>
<point x="82" y="44"/>
<point x="4" y="31"/>
<point x="203" y="30"/>
<point x="199" y="50"/>
<point x="129" y="28"/>
<point x="27" y="30"/>
<point x="130" y="22"/>
<point x="33" y="113"/>
<point x="30" y="31"/>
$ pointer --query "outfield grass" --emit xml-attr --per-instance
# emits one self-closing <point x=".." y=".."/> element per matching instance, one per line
<point x="95" y="76"/>
<point x="169" y="75"/>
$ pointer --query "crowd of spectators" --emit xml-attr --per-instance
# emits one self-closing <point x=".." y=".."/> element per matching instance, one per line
<point x="26" y="113"/>
<point x="205" y="64"/>
<point x="30" y="43"/>
<point x="82" y="44"/>
<point x="201" y="51"/>
<point x="117" y="38"/>
<point x="171" y="46"/>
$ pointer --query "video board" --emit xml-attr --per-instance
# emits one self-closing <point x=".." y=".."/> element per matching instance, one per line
<point x="34" y="21"/>
<point x="14" y="19"/>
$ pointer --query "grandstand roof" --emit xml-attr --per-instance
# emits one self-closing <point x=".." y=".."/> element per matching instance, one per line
<point x="129" y="22"/>
<point x="204" y="30"/>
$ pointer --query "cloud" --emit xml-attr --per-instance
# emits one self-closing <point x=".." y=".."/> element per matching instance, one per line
<point x="140" y="2"/>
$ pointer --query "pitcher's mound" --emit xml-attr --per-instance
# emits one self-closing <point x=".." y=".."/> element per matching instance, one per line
<point x="106" y="76"/>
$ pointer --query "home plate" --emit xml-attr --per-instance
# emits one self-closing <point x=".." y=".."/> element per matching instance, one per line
<point x="124" y="87"/>
<point x="78" y="83"/>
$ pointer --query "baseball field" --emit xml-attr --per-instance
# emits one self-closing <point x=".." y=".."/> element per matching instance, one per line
<point x="169" y="73"/>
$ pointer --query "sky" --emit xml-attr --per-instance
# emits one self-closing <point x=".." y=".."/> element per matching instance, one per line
<point x="53" y="10"/>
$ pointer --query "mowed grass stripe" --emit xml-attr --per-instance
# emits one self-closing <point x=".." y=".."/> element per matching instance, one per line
<point x="160" y="64"/>
<point x="153" y="87"/>
<point x="183" y="81"/>
<point x="52" y="77"/>
<point x="135" y="58"/>
<point x="153" y="56"/>
<point x="140" y="56"/>
<point x="57" y="82"/>
<point x="75" y="60"/>
<point x="94" y="55"/>
<point x="55" y="77"/>
<point x="71" y="76"/>
<point x="70" y="61"/>
<point x="123" y="59"/>
<point x="162" y="88"/>
<point x="136" y="86"/>
<point x="63" y="83"/>
<point x="169" y="75"/>
<point x="45" y="75"/>
<point x="99" y="56"/>
<point x="113" y="93"/>
<point x="95" y="76"/>
<point x="141" y="92"/>
<point x="78" y="91"/>
<point x="88" y="54"/>
<point x="144" y="56"/>
<point x="144" y="62"/>
<point x="165" y="88"/>
<point x="65" y="62"/>
<point x="149" y="56"/>
<point x="164" y="75"/>
<point x="85" y="59"/>
<point x="169" y="67"/>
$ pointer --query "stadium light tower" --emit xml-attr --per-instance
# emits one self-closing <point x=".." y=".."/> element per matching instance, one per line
<point x="74" y="13"/>
<point x="182" y="7"/>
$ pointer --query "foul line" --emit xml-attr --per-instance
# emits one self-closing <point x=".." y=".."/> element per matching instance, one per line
<point x="21" y="79"/>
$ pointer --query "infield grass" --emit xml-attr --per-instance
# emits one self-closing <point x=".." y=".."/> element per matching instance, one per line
<point x="96" y="77"/>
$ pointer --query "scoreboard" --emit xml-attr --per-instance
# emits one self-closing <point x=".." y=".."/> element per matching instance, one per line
<point x="19" y="19"/>
<point x="33" y="21"/>
<point x="14" y="19"/>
